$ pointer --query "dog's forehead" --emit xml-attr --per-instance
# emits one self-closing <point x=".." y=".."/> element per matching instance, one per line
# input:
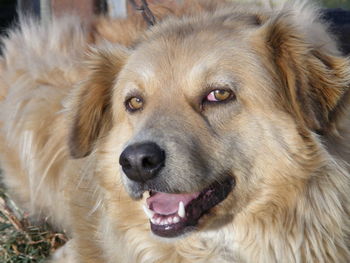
<point x="190" y="68"/>
<point x="204" y="56"/>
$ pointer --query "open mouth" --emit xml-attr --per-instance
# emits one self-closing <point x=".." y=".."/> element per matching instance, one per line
<point x="174" y="214"/>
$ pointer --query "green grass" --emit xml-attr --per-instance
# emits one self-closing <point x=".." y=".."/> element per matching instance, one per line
<point x="336" y="3"/>
<point x="22" y="241"/>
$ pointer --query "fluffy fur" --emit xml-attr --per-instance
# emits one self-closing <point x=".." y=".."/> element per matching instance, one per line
<point x="285" y="139"/>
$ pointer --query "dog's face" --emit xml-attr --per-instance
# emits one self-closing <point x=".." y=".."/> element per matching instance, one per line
<point x="209" y="117"/>
<point x="205" y="118"/>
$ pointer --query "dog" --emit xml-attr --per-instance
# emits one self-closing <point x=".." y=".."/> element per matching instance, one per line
<point x="221" y="134"/>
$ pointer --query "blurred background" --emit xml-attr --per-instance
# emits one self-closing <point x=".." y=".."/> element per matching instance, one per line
<point x="114" y="8"/>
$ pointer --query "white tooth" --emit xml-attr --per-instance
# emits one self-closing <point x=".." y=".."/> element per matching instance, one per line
<point x="164" y="222"/>
<point x="158" y="220"/>
<point x="170" y="220"/>
<point x="148" y="212"/>
<point x="181" y="210"/>
<point x="153" y="221"/>
<point x="176" y="219"/>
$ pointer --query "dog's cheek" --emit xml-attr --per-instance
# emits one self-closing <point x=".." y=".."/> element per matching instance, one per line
<point x="253" y="151"/>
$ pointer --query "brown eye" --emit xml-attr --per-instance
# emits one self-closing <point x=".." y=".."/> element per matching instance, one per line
<point x="134" y="104"/>
<point x="219" y="95"/>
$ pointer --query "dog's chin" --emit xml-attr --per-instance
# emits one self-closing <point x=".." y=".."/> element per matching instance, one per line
<point x="172" y="215"/>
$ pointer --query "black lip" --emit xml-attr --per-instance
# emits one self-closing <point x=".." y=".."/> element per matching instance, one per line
<point x="209" y="197"/>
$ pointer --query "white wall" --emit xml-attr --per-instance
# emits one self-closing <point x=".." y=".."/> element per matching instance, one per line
<point x="117" y="8"/>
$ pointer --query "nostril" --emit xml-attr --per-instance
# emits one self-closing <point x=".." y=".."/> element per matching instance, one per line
<point x="148" y="163"/>
<point x="153" y="160"/>
<point x="125" y="163"/>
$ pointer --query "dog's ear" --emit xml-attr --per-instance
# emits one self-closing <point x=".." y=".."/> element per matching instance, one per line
<point x="91" y="111"/>
<point x="314" y="76"/>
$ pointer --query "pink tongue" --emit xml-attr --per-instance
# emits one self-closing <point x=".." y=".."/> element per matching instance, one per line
<point x="166" y="204"/>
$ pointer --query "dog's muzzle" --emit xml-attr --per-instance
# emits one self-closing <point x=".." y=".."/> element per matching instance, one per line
<point x="170" y="214"/>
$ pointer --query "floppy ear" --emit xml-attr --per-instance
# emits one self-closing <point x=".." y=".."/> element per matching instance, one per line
<point x="314" y="76"/>
<point x="91" y="116"/>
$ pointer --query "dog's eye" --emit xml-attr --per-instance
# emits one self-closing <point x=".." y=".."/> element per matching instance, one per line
<point x="134" y="104"/>
<point x="219" y="95"/>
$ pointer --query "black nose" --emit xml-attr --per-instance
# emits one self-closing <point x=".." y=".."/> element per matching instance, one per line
<point x="141" y="162"/>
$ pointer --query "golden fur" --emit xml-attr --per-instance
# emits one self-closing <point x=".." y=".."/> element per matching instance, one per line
<point x="285" y="139"/>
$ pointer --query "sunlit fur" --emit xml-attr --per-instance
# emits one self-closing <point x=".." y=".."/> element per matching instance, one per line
<point x="285" y="139"/>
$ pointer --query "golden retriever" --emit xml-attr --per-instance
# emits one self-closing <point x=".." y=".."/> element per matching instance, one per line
<point x="221" y="134"/>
